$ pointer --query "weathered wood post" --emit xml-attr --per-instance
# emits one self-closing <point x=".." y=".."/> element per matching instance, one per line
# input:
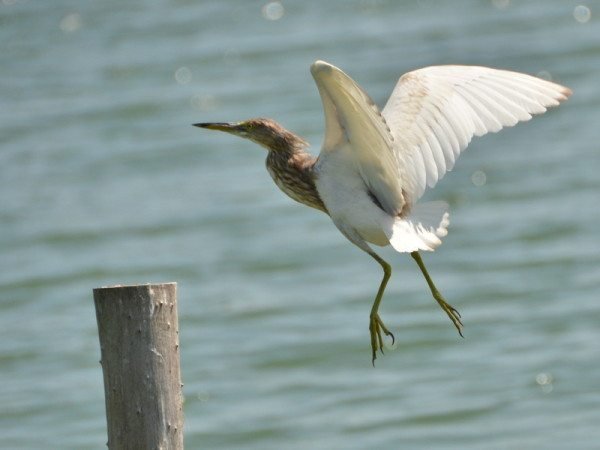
<point x="139" y="344"/>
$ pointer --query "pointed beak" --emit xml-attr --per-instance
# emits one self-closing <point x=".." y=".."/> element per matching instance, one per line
<point x="220" y="126"/>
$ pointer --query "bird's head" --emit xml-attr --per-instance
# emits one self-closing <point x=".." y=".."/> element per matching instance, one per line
<point x="265" y="132"/>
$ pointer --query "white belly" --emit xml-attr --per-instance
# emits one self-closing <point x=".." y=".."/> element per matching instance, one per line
<point x="348" y="202"/>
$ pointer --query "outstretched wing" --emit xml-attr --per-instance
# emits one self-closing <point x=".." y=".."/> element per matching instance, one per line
<point x="356" y="131"/>
<point x="434" y="112"/>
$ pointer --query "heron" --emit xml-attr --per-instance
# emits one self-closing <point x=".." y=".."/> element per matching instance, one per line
<point x="375" y="164"/>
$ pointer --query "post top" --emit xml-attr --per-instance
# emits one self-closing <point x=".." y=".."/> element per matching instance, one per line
<point x="138" y="286"/>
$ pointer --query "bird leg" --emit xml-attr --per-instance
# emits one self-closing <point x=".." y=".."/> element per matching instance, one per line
<point x="376" y="325"/>
<point x="449" y="309"/>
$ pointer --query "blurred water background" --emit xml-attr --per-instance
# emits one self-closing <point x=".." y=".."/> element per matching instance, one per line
<point x="104" y="181"/>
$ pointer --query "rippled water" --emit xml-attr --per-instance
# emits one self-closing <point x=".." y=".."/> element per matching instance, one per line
<point x="104" y="181"/>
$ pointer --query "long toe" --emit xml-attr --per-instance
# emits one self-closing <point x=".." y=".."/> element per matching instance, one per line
<point x="452" y="313"/>
<point x="376" y="327"/>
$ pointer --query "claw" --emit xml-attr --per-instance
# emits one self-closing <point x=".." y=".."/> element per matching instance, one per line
<point x="451" y="311"/>
<point x="376" y="326"/>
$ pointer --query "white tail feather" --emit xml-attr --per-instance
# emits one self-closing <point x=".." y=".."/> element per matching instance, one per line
<point x="422" y="229"/>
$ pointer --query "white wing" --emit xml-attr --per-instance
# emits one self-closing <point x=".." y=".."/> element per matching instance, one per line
<point x="435" y="111"/>
<point x="354" y="125"/>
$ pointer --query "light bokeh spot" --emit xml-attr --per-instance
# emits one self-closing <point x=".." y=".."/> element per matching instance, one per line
<point x="273" y="10"/>
<point x="582" y="14"/>
<point x="70" y="23"/>
<point x="545" y="380"/>
<point x="183" y="75"/>
<point x="478" y="178"/>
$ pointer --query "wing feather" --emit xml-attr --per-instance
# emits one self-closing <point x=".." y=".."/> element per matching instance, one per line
<point x="433" y="114"/>
<point x="430" y="118"/>
<point x="488" y="120"/>
<point x="354" y="125"/>
<point x="434" y="145"/>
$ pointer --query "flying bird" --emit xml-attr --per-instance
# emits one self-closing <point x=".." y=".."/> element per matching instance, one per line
<point x="375" y="164"/>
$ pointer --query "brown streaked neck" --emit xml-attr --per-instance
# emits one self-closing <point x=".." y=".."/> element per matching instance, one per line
<point x="292" y="170"/>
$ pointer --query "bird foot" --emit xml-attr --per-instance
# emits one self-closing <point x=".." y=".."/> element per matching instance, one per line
<point x="451" y="311"/>
<point x="376" y="326"/>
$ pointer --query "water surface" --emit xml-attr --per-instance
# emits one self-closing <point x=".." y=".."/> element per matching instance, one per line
<point x="104" y="181"/>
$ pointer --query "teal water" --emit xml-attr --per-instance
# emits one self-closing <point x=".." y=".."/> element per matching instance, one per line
<point x="104" y="181"/>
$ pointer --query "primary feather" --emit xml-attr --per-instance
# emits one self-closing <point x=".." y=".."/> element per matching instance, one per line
<point x="434" y="112"/>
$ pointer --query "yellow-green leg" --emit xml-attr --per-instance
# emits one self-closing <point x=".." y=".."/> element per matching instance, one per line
<point x="376" y="325"/>
<point x="449" y="309"/>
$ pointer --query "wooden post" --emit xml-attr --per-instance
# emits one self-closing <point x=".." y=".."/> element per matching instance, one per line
<point x="139" y="344"/>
